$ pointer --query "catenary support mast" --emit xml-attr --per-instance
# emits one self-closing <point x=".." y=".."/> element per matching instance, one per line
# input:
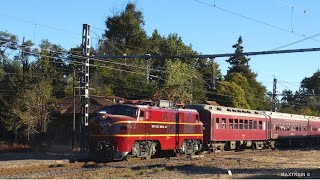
<point x="84" y="88"/>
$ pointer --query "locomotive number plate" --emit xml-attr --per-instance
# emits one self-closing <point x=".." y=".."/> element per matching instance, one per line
<point x="158" y="126"/>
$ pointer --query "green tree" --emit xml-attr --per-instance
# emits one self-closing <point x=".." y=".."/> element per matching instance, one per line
<point x="242" y="81"/>
<point x="184" y="83"/>
<point x="231" y="94"/>
<point x="7" y="42"/>
<point x="240" y="64"/>
<point x="32" y="108"/>
<point x="51" y="63"/>
<point x="312" y="84"/>
<point x="125" y="32"/>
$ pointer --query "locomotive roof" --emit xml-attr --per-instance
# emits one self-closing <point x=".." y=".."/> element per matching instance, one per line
<point x="155" y="107"/>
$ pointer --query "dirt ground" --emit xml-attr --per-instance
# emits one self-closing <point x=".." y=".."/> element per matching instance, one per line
<point x="224" y="165"/>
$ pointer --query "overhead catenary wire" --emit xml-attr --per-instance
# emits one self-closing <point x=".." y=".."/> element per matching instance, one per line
<point x="254" y="20"/>
<point x="296" y="42"/>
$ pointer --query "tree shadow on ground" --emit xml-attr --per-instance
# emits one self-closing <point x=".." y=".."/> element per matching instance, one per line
<point x="263" y="173"/>
<point x="36" y="156"/>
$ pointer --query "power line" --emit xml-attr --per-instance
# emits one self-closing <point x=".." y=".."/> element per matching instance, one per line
<point x="34" y="23"/>
<point x="252" y="19"/>
<point x="296" y="42"/>
<point x="290" y="83"/>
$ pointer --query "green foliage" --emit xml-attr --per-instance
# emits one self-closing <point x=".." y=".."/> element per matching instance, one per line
<point x="184" y="83"/>
<point x="32" y="107"/>
<point x="232" y="95"/>
<point x="312" y="84"/>
<point x="306" y="101"/>
<point x="125" y="31"/>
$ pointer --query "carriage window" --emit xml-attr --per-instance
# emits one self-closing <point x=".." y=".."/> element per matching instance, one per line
<point x="304" y="128"/>
<point x="230" y="123"/>
<point x="223" y="123"/>
<point x="236" y="125"/>
<point x="260" y="125"/>
<point x="217" y="123"/>
<point x="250" y="124"/>
<point x="241" y="124"/>
<point x="254" y="124"/>
<point x="197" y="118"/>
<point x="245" y="124"/>
<point x="277" y="128"/>
<point x="292" y="128"/>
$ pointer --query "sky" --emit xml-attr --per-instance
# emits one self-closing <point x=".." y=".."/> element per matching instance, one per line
<point x="210" y="26"/>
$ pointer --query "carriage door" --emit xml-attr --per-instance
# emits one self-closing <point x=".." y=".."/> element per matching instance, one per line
<point x="270" y="127"/>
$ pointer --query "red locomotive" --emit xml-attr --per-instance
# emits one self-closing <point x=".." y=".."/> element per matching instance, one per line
<point x="141" y="131"/>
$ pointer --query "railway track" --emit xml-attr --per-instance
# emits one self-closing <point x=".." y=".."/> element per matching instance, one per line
<point x="91" y="170"/>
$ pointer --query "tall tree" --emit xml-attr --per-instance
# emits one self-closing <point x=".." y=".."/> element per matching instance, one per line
<point x="240" y="64"/>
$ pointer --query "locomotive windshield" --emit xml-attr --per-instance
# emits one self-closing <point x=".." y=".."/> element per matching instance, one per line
<point x="121" y="110"/>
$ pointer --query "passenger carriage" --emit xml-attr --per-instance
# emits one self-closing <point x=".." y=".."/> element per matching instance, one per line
<point x="286" y="128"/>
<point x="233" y="128"/>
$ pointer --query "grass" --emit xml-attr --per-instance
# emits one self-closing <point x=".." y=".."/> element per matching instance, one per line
<point x="158" y="169"/>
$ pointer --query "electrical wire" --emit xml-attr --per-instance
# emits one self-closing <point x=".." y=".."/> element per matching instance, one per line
<point x="296" y="42"/>
<point x="252" y="19"/>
